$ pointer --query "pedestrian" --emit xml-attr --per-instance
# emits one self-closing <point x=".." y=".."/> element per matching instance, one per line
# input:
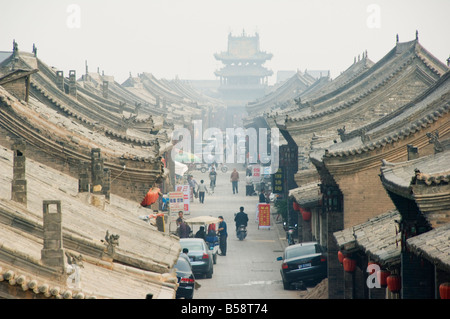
<point x="249" y="185"/>
<point x="184" y="230"/>
<point x="234" y="180"/>
<point x="180" y="218"/>
<point x="201" y="191"/>
<point x="212" y="177"/>
<point x="222" y="236"/>
<point x="201" y="233"/>
<point x="192" y="183"/>
<point x="262" y="197"/>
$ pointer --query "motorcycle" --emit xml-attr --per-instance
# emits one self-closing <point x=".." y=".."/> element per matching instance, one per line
<point x="290" y="234"/>
<point x="241" y="232"/>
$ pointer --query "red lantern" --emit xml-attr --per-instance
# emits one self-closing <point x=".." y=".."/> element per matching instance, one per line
<point x="349" y="264"/>
<point x="382" y="277"/>
<point x="341" y="256"/>
<point x="394" y="283"/>
<point x="305" y="214"/>
<point x="444" y="290"/>
<point x="296" y="206"/>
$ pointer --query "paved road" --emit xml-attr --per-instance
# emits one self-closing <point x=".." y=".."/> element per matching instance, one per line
<point x="250" y="269"/>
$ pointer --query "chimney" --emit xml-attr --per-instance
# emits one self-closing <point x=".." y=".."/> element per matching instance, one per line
<point x="413" y="152"/>
<point x="60" y="80"/>
<point x="105" y="89"/>
<point x="19" y="182"/>
<point x="83" y="177"/>
<point x="72" y="83"/>
<point x="52" y="254"/>
<point x="107" y="183"/>
<point x="97" y="171"/>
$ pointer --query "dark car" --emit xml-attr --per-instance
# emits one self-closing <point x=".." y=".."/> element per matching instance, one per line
<point x="186" y="279"/>
<point x="304" y="263"/>
<point x="200" y="256"/>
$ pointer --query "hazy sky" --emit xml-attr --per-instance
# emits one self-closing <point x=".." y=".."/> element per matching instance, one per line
<point x="170" y="38"/>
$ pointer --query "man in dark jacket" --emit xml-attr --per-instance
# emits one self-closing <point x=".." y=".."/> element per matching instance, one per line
<point x="223" y="234"/>
<point x="241" y="218"/>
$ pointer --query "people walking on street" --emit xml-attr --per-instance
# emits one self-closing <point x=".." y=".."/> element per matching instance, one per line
<point x="249" y="190"/>
<point x="212" y="177"/>
<point x="201" y="191"/>
<point x="192" y="183"/>
<point x="241" y="218"/>
<point x="234" y="180"/>
<point x="184" y="230"/>
<point x="222" y="228"/>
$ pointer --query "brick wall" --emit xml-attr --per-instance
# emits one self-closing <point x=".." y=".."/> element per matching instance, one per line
<point x="364" y="196"/>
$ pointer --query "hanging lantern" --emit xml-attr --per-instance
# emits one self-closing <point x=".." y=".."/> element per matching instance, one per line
<point x="296" y="206"/>
<point x="382" y="277"/>
<point x="444" y="290"/>
<point x="305" y="214"/>
<point x="341" y="256"/>
<point x="394" y="283"/>
<point x="349" y="264"/>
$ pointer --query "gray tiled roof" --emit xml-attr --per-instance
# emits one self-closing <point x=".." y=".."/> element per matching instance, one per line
<point x="433" y="245"/>
<point x="378" y="237"/>
<point x="307" y="194"/>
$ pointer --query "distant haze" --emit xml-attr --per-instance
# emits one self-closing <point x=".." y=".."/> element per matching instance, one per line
<point x="178" y="38"/>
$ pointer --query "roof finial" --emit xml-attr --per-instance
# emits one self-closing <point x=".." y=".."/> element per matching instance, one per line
<point x="15" y="48"/>
<point x="397" y="37"/>
<point x="417" y="35"/>
<point x="34" y="50"/>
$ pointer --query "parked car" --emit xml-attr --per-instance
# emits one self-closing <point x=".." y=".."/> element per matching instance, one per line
<point x="186" y="279"/>
<point x="304" y="263"/>
<point x="199" y="255"/>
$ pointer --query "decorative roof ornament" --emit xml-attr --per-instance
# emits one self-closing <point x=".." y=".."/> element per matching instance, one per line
<point x="397" y="39"/>
<point x="434" y="139"/>
<point x="15" y="48"/>
<point x="417" y="35"/>
<point x="34" y="50"/>
<point x="111" y="241"/>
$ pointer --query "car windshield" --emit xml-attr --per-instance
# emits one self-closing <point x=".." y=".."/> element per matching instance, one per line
<point x="302" y="251"/>
<point x="192" y="245"/>
<point x="182" y="265"/>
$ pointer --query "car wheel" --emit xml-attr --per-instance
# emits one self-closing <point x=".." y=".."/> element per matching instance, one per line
<point x="214" y="259"/>
<point x="203" y="170"/>
<point x="286" y="285"/>
<point x="209" y="273"/>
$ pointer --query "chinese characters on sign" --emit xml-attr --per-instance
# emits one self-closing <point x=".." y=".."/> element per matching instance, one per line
<point x="264" y="216"/>
<point x="176" y="201"/>
<point x="278" y="181"/>
<point x="186" y="193"/>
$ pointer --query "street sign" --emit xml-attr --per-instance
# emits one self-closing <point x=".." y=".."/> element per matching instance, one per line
<point x="263" y="216"/>
<point x="176" y="201"/>
<point x="185" y="189"/>
<point x="278" y="181"/>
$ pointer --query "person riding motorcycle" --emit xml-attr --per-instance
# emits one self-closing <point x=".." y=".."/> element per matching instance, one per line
<point x="241" y="218"/>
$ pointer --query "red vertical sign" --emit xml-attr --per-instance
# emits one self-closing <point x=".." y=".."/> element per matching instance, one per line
<point x="264" y="215"/>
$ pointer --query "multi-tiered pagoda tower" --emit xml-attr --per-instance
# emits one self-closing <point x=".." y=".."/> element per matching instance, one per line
<point x="243" y="78"/>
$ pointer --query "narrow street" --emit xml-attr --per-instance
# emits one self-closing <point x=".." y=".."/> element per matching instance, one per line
<point x="250" y="269"/>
